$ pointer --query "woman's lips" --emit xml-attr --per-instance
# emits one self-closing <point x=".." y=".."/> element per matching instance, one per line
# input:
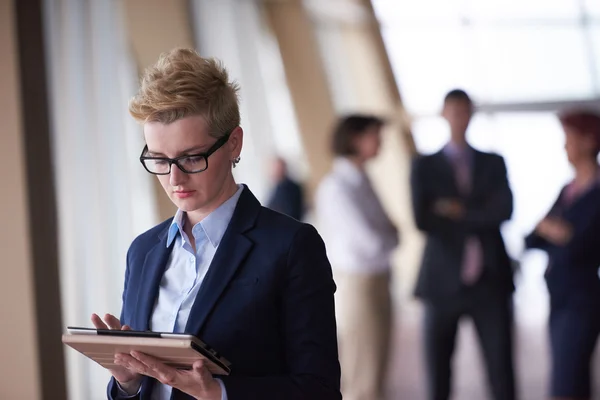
<point x="182" y="194"/>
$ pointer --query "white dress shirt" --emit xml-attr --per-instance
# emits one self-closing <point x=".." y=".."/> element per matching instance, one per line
<point x="358" y="233"/>
<point x="185" y="272"/>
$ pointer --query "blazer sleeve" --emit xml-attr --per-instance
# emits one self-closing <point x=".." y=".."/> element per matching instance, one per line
<point x="422" y="203"/>
<point x="309" y="328"/>
<point x="112" y="391"/>
<point x="499" y="205"/>
<point x="535" y="241"/>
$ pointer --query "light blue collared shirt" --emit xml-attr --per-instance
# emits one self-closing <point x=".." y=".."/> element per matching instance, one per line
<point x="185" y="272"/>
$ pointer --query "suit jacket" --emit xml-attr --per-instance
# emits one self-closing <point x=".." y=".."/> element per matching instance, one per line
<point x="266" y="304"/>
<point x="488" y="204"/>
<point x="572" y="274"/>
<point x="288" y="199"/>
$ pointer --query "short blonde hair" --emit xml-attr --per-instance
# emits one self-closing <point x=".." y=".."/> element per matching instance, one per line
<point x="181" y="84"/>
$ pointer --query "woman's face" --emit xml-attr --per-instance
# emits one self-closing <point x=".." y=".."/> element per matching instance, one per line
<point x="579" y="147"/>
<point x="367" y="145"/>
<point x="191" y="192"/>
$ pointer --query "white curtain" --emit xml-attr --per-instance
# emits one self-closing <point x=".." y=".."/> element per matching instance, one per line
<point x="105" y="198"/>
<point x="235" y="32"/>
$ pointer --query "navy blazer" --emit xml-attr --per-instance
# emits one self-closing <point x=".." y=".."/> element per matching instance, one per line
<point x="266" y="304"/>
<point x="572" y="274"/>
<point x="487" y="206"/>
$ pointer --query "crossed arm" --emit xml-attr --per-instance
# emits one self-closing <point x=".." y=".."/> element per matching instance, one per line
<point x="446" y="215"/>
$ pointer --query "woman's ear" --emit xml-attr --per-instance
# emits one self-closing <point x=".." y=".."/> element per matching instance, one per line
<point x="235" y="142"/>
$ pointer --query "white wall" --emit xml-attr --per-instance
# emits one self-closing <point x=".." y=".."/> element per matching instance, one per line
<point x="105" y="198"/>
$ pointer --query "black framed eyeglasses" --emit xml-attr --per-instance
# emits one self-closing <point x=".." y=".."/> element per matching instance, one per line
<point x="189" y="163"/>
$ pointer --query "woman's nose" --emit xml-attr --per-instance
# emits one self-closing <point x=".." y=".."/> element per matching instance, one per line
<point x="177" y="176"/>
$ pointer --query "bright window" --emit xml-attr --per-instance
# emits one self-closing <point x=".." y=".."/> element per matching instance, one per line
<point x="501" y="51"/>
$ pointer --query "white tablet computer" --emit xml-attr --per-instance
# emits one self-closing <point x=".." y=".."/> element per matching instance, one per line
<point x="175" y="349"/>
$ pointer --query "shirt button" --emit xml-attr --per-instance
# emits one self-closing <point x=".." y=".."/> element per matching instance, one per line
<point x="192" y="259"/>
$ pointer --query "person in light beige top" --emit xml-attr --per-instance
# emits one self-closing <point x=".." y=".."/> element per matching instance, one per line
<point x="360" y="239"/>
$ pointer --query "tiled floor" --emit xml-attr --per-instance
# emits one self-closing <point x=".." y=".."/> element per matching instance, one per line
<point x="406" y="376"/>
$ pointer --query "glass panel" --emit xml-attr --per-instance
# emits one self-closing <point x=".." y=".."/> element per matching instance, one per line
<point x="430" y="134"/>
<point x="594" y="57"/>
<point x="533" y="147"/>
<point x="524" y="9"/>
<point x="592" y="7"/>
<point x="409" y="10"/>
<point x="428" y="63"/>
<point x="533" y="63"/>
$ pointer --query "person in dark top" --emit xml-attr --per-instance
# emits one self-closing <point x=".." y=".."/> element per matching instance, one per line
<point x="570" y="235"/>
<point x="460" y="198"/>
<point x="287" y="196"/>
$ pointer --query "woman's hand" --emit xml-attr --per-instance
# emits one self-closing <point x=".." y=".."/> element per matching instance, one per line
<point x="128" y="380"/>
<point x="555" y="230"/>
<point x="197" y="382"/>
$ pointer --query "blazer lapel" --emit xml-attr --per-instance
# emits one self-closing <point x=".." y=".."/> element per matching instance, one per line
<point x="231" y="253"/>
<point x="154" y="267"/>
<point x="446" y="172"/>
<point x="477" y="171"/>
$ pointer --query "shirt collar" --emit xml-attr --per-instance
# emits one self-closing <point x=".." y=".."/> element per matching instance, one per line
<point x="454" y="151"/>
<point x="349" y="170"/>
<point x="213" y="225"/>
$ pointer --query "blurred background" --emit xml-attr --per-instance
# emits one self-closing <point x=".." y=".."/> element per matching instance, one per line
<point x="74" y="194"/>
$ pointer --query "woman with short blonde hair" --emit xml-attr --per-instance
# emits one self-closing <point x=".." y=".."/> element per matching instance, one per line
<point x="252" y="283"/>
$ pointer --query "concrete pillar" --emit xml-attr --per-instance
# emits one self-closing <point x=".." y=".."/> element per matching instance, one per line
<point x="307" y="82"/>
<point x="32" y="353"/>
<point x="153" y="27"/>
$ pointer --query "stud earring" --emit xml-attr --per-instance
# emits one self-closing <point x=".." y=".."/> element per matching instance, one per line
<point x="236" y="161"/>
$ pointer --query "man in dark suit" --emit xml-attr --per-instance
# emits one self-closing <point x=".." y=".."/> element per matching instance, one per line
<point x="460" y="198"/>
<point x="287" y="196"/>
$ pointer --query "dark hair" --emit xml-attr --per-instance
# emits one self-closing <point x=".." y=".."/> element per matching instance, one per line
<point x="350" y="127"/>
<point x="458" y="94"/>
<point x="584" y="122"/>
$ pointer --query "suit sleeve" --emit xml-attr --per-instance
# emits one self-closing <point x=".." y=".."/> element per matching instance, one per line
<point x="113" y="392"/>
<point x="535" y="241"/>
<point x="309" y="327"/>
<point x="422" y="203"/>
<point x="499" y="205"/>
<point x="584" y="241"/>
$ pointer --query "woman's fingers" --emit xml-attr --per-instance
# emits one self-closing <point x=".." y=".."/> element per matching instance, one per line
<point x="109" y="322"/>
<point x="112" y="321"/>
<point x="98" y="323"/>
